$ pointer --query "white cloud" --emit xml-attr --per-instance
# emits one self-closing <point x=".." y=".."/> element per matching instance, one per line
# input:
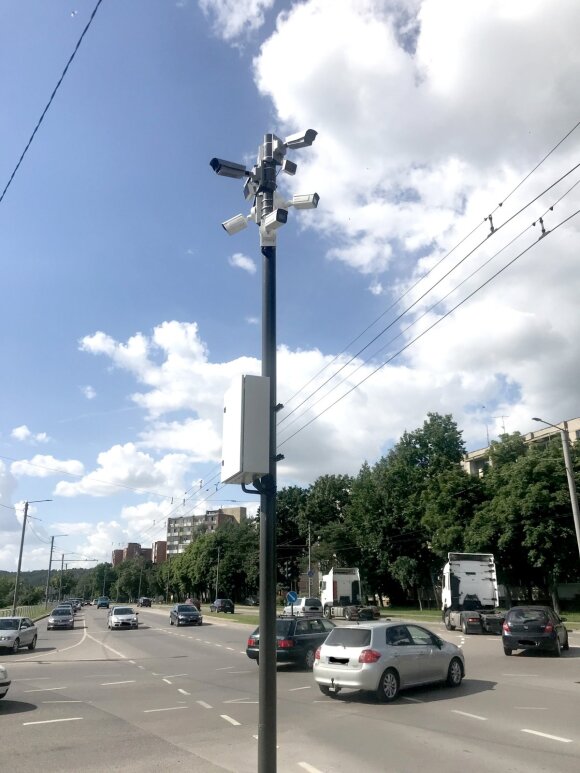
<point x="253" y="320"/>
<point x="43" y="466"/>
<point x="234" y="18"/>
<point x="89" y="392"/>
<point x="376" y="288"/>
<point x="23" y="433"/>
<point x="239" y="260"/>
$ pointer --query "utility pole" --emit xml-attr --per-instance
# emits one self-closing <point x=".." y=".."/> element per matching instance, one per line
<point x="17" y="581"/>
<point x="309" y="565"/>
<point x="569" y="474"/>
<point x="269" y="213"/>
<point x="217" y="576"/>
<point x="61" y="574"/>
<point x="48" y="574"/>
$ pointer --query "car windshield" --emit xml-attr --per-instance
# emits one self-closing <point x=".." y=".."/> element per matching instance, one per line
<point x="8" y="624"/>
<point x="186" y="608"/>
<point x="349" y="637"/>
<point x="60" y="611"/>
<point x="123" y="611"/>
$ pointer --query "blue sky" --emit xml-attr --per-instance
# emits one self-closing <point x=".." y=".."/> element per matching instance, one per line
<point x="127" y="310"/>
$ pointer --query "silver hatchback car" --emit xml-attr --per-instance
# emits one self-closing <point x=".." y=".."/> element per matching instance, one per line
<point x="385" y="658"/>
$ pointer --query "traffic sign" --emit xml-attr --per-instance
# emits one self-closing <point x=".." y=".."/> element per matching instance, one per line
<point x="291" y="596"/>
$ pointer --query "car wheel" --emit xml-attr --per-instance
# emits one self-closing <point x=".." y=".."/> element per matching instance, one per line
<point x="464" y="626"/>
<point x="309" y="660"/>
<point x="32" y="644"/>
<point x="447" y="620"/>
<point x="507" y="651"/>
<point x="325" y="690"/>
<point x="389" y="684"/>
<point x="566" y="645"/>
<point x="558" y="648"/>
<point x="170" y="621"/>
<point x="327" y="613"/>
<point x="348" y="613"/>
<point x="454" y="673"/>
<point x="15" y="646"/>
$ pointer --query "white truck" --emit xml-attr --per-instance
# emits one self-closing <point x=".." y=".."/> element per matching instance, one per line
<point x="340" y="594"/>
<point x="469" y="596"/>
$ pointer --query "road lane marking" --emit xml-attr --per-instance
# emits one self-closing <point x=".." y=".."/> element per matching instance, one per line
<point x="172" y="676"/>
<point x="45" y="689"/>
<point x="169" y="708"/>
<point x="224" y="668"/>
<point x="546" y="735"/>
<point x="63" y="701"/>
<point x="183" y="692"/>
<point x="531" y="676"/>
<point x="167" y="681"/>
<point x="132" y="661"/>
<point x="295" y="689"/>
<point x="141" y="667"/>
<point x="413" y="700"/>
<point x="240" y="700"/>
<point x="309" y="768"/>
<point x="127" y="681"/>
<point x="471" y="716"/>
<point x="35" y="679"/>
<point x="230" y="719"/>
<point x="241" y="672"/>
<point x="231" y="649"/>
<point x="107" y="647"/>
<point x="204" y="704"/>
<point x="531" y="708"/>
<point x="51" y="721"/>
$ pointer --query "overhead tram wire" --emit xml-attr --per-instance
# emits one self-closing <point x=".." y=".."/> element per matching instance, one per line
<point x="434" y="305"/>
<point x="421" y="297"/>
<point x="443" y="258"/>
<point x="49" y="103"/>
<point x="431" y="327"/>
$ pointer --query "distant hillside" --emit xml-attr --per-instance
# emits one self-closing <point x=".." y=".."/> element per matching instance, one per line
<point x="38" y="576"/>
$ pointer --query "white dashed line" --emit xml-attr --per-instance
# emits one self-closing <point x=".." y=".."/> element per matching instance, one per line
<point x="132" y="661"/>
<point x="169" y="708"/>
<point x="167" y="681"/>
<point x="51" y="721"/>
<point x="309" y="768"/>
<point x="240" y="700"/>
<point x="183" y="692"/>
<point x="531" y="708"/>
<point x="63" y="701"/>
<point x="413" y="700"/>
<point x="231" y="649"/>
<point x="230" y="720"/>
<point x="471" y="716"/>
<point x="295" y="689"/>
<point x="46" y="689"/>
<point x="224" y="668"/>
<point x="528" y="676"/>
<point x="204" y="704"/>
<point x="127" y="681"/>
<point x="550" y="737"/>
<point x="172" y="676"/>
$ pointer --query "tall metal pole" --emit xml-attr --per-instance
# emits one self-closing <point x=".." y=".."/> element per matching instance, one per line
<point x="267" y="675"/>
<point x="48" y="575"/>
<point x="309" y="565"/>
<point x="217" y="576"/>
<point x="569" y="474"/>
<point x="61" y="573"/>
<point x="20" y="559"/>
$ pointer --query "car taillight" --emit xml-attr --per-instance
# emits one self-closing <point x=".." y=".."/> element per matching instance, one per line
<point x="369" y="656"/>
<point x="549" y="628"/>
<point x="506" y="626"/>
<point x="317" y="654"/>
<point x="285" y="643"/>
<point x="252" y="642"/>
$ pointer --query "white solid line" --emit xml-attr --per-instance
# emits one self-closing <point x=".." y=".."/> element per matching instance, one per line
<point x="63" y="701"/>
<point x="127" y="681"/>
<point x="106" y="646"/>
<point x="171" y="676"/>
<point x="545" y="735"/>
<point x="170" y="708"/>
<point x="240" y="700"/>
<point x="34" y="679"/>
<point x="183" y="692"/>
<point x="230" y="720"/>
<point x="205" y="705"/>
<point x="46" y="689"/>
<point x="167" y="681"/>
<point x="472" y="716"/>
<point x="309" y="768"/>
<point x="51" y="721"/>
<point x="295" y="689"/>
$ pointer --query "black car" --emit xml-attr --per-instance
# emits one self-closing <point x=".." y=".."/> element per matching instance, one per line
<point x="144" y="601"/>
<point x="534" y="628"/>
<point x="185" y="614"/>
<point x="222" y="605"/>
<point x="298" y="638"/>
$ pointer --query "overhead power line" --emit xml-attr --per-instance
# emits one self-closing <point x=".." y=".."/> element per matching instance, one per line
<point x="49" y="103"/>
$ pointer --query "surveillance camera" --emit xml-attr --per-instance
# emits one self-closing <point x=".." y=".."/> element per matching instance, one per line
<point x="301" y="139"/>
<point x="235" y="224"/>
<point x="228" y="168"/>
<point x="275" y="219"/>
<point x="250" y="188"/>
<point x="305" y="200"/>
<point x="289" y="166"/>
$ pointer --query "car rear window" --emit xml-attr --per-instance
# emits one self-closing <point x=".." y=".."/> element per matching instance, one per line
<point x="312" y="603"/>
<point x="527" y="616"/>
<point x="349" y="637"/>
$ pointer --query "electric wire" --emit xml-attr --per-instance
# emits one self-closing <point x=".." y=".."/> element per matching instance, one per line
<point x="432" y="326"/>
<point x="49" y="103"/>
<point x="434" y="267"/>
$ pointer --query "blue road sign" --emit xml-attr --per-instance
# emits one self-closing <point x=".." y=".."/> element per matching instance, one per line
<point x="291" y="596"/>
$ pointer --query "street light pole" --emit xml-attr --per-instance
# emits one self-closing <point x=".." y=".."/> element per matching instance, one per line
<point x="50" y="567"/>
<point x="17" y="581"/>
<point x="269" y="214"/>
<point x="217" y="576"/>
<point x="569" y="474"/>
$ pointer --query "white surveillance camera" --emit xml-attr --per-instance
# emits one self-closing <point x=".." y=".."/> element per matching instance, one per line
<point x="235" y="224"/>
<point x="275" y="219"/>
<point x="250" y="188"/>
<point x="301" y="139"/>
<point x="305" y="200"/>
<point x="289" y="166"/>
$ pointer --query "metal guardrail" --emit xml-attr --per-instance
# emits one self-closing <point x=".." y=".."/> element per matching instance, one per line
<point x="34" y="611"/>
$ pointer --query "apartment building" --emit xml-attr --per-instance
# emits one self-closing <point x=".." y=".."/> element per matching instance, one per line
<point x="182" y="530"/>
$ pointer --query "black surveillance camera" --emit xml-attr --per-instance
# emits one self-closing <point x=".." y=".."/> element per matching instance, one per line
<point x="228" y="168"/>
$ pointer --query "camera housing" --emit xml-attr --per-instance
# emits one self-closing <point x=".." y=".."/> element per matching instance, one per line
<point x="305" y="200"/>
<point x="228" y="168"/>
<point x="301" y="139"/>
<point x="275" y="219"/>
<point x="235" y="224"/>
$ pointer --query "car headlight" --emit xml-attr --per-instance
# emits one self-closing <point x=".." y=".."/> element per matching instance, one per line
<point x="7" y="637"/>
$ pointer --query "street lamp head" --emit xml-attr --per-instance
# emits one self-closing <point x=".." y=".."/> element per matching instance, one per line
<point x="301" y="139"/>
<point x="228" y="168"/>
<point x="535" y="418"/>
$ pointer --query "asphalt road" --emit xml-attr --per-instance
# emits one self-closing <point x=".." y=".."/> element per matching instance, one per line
<point x="186" y="699"/>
